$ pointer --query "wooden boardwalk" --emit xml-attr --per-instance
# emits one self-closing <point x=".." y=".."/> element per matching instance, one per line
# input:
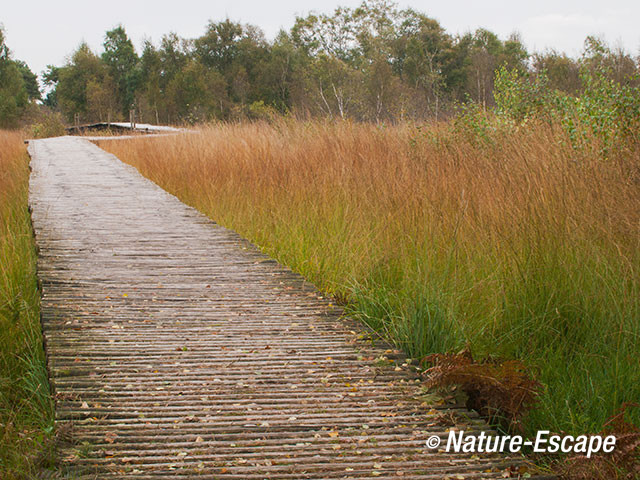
<point x="177" y="350"/>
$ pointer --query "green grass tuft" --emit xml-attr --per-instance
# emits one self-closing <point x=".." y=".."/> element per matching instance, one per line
<point x="26" y="408"/>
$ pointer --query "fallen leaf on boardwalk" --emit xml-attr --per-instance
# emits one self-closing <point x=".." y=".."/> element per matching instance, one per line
<point x="110" y="437"/>
<point x="84" y="405"/>
<point x="199" y="439"/>
<point x="377" y="465"/>
<point x="333" y="433"/>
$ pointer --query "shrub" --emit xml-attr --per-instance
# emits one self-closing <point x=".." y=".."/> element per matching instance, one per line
<point x="48" y="124"/>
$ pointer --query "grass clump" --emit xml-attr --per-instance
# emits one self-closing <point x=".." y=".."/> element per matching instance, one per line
<point x="515" y="243"/>
<point x="26" y="411"/>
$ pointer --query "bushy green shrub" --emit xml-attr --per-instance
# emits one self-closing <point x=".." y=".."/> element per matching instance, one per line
<point x="603" y="117"/>
<point x="49" y="124"/>
<point x="520" y="97"/>
<point x="606" y="112"/>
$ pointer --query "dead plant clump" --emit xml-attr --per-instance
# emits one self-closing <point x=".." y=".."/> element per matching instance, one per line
<point x="621" y="464"/>
<point x="502" y="391"/>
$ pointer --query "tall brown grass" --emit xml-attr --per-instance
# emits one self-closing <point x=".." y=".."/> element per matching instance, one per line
<point x="516" y="244"/>
<point x="26" y="414"/>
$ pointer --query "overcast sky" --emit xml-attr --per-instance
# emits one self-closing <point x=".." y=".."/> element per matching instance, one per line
<point x="45" y="32"/>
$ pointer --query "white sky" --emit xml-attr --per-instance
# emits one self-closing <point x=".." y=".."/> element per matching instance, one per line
<point x="45" y="32"/>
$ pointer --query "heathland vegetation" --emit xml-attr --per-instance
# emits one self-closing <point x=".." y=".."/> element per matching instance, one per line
<point x="511" y="240"/>
<point x="26" y="414"/>
<point x="452" y="191"/>
<point x="512" y="233"/>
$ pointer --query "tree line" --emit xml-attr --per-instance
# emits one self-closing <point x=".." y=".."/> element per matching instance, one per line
<point x="376" y="63"/>
<point x="18" y="87"/>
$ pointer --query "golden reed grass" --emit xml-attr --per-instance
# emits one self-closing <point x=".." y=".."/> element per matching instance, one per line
<point x="26" y="414"/>
<point x="518" y="244"/>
